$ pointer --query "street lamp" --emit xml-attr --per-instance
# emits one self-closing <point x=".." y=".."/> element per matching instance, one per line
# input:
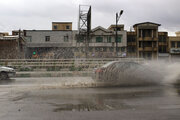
<point x="118" y="15"/>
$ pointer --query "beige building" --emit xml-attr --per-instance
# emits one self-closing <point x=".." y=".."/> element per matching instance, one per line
<point x="178" y="33"/>
<point x="174" y="47"/>
<point x="4" y="34"/>
<point x="62" y="26"/>
<point x="146" y="42"/>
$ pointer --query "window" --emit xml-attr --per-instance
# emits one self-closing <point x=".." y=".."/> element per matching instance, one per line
<point x="55" y="27"/>
<point x="104" y="49"/>
<point x="66" y="38"/>
<point x="97" y="49"/>
<point x="178" y="44"/>
<point x="162" y="38"/>
<point x="29" y="39"/>
<point x="80" y="39"/>
<point x="90" y="49"/>
<point x="76" y="50"/>
<point x="122" y="49"/>
<point x="67" y="27"/>
<point x="118" y="49"/>
<point x="119" y="39"/>
<point x="162" y="49"/>
<point x="47" y="38"/>
<point x="99" y="39"/>
<point x="173" y="44"/>
<point x="148" y="44"/>
<point x="111" y="49"/>
<point x="109" y="39"/>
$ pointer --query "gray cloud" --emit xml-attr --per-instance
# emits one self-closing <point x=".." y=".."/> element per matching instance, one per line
<point x="38" y="14"/>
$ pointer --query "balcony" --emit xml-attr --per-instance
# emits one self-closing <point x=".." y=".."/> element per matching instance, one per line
<point x="162" y="43"/>
<point x="147" y="49"/>
<point x="131" y="43"/>
<point x="147" y="39"/>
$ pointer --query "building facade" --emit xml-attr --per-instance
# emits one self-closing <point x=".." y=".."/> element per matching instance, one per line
<point x="12" y="47"/>
<point x="146" y="41"/>
<point x="102" y="43"/>
<point x="174" y="48"/>
<point x="178" y="33"/>
<point x="62" y="26"/>
<point x="49" y="44"/>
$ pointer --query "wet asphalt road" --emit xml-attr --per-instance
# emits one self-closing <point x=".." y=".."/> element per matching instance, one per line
<point x="77" y="99"/>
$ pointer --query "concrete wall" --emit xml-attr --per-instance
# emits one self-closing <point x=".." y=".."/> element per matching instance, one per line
<point x="39" y="36"/>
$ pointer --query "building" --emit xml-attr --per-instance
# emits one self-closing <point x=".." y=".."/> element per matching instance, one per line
<point x="131" y="45"/>
<point x="178" y="33"/>
<point x="147" y="42"/>
<point x="49" y="44"/>
<point x="54" y="44"/>
<point x="163" y="46"/>
<point x="3" y="34"/>
<point x="102" y="43"/>
<point x="16" y="32"/>
<point x="60" y="43"/>
<point x="12" y="47"/>
<point x="174" y="47"/>
<point x="62" y="26"/>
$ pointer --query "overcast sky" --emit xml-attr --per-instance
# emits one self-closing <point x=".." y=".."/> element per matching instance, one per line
<point x="39" y="14"/>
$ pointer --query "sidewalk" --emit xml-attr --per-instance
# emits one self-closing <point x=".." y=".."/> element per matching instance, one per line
<point x="53" y="73"/>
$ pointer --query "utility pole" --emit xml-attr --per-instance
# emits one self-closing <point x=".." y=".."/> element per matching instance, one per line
<point x="118" y="15"/>
<point x="19" y="37"/>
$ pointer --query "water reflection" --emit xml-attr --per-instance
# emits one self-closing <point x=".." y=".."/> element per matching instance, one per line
<point x="105" y="99"/>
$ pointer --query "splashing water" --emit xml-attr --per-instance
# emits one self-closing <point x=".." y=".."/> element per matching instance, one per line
<point x="148" y="73"/>
<point x="170" y="72"/>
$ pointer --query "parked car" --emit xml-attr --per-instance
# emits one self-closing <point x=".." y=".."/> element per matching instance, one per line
<point x="125" y="74"/>
<point x="6" y="73"/>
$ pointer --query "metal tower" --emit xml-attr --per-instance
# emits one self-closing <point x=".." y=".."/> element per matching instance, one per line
<point x="84" y="25"/>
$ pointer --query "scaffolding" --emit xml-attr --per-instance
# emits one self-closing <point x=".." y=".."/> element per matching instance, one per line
<point x="84" y="26"/>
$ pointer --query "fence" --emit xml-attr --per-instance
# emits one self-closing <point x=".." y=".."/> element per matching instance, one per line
<point x="60" y="64"/>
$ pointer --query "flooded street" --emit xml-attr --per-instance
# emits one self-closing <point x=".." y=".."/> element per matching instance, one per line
<point x="77" y="98"/>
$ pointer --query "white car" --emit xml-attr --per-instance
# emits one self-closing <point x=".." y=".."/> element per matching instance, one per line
<point x="6" y="73"/>
<point x="117" y="73"/>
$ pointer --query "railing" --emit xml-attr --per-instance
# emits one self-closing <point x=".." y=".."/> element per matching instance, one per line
<point x="59" y="64"/>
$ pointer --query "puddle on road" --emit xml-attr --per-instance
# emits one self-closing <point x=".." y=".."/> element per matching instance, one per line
<point x="77" y="107"/>
<point x="99" y="101"/>
<point x="90" y="106"/>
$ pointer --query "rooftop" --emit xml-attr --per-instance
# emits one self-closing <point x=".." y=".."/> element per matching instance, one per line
<point x="62" y="22"/>
<point x="146" y="23"/>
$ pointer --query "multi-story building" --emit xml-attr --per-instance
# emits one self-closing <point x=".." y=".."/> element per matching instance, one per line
<point x="65" y="43"/>
<point x="131" y="45"/>
<point x="102" y="43"/>
<point x="55" y="43"/>
<point x="49" y="44"/>
<point x="146" y="42"/>
<point x="174" y="47"/>
<point x="163" y="46"/>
